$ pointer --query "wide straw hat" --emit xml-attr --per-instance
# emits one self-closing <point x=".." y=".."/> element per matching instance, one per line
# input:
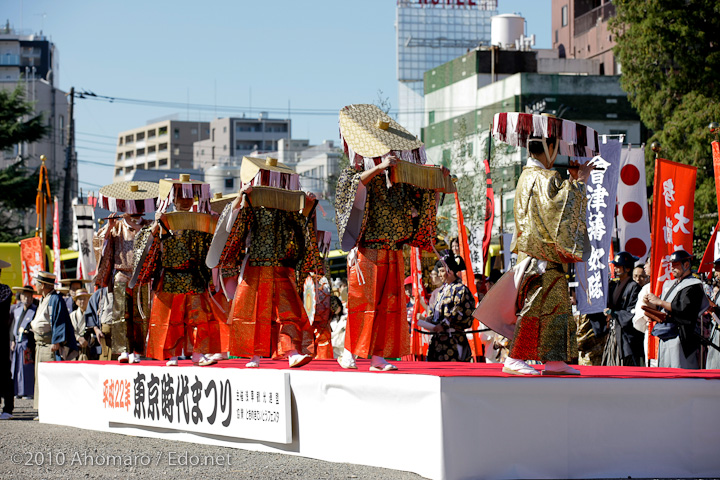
<point x="81" y="293"/>
<point x="27" y="289"/>
<point x="370" y="132"/>
<point x="129" y="197"/>
<point x="68" y="281"/>
<point x="218" y="202"/>
<point x="45" y="277"/>
<point x="184" y="187"/>
<point x="251" y="166"/>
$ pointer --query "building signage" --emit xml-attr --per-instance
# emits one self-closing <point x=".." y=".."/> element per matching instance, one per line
<point x="220" y="401"/>
<point x="452" y="3"/>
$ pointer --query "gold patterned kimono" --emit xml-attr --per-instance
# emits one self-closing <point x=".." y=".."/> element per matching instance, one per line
<point x="550" y="228"/>
<point x="267" y="317"/>
<point x="183" y="317"/>
<point x="388" y="218"/>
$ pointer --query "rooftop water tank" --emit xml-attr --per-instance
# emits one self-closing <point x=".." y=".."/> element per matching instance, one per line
<point x="505" y="29"/>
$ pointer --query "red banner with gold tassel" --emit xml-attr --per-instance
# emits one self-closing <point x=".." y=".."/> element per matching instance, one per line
<point x="418" y="342"/>
<point x="468" y="276"/>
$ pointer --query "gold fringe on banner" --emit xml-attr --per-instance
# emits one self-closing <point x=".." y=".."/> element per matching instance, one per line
<point x="278" y="198"/>
<point x="429" y="177"/>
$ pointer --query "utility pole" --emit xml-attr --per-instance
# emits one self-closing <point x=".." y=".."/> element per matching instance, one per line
<point x="67" y="182"/>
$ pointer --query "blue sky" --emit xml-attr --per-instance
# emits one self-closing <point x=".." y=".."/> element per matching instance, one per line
<point x="256" y="55"/>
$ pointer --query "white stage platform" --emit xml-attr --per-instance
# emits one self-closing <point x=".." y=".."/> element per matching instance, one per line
<point x="445" y="426"/>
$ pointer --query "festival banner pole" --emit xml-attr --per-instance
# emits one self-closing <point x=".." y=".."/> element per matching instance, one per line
<point x="476" y="344"/>
<point x="41" y="201"/>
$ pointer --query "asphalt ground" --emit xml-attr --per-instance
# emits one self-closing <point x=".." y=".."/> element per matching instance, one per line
<point x="30" y="449"/>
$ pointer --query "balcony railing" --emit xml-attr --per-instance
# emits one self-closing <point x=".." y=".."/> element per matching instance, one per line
<point x="588" y="20"/>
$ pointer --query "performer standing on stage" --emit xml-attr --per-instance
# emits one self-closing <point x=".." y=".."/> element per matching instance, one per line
<point x="550" y="229"/>
<point x="683" y="301"/>
<point x="375" y="218"/>
<point x="172" y="251"/>
<point x="267" y="317"/>
<point x="124" y="335"/>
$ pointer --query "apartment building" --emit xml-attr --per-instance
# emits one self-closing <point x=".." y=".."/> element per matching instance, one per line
<point x="161" y="145"/>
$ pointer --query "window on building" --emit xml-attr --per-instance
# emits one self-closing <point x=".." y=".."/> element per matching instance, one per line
<point x="176" y="133"/>
<point x="162" y="147"/>
<point x="162" y="131"/>
<point x="176" y="151"/>
<point x="564" y="15"/>
<point x="225" y="129"/>
<point x="151" y="133"/>
<point x="193" y="131"/>
<point x="140" y="136"/>
<point x="229" y="183"/>
<point x="431" y="117"/>
<point x="213" y="134"/>
<point x="162" y="162"/>
<point x="118" y="172"/>
<point x="151" y="165"/>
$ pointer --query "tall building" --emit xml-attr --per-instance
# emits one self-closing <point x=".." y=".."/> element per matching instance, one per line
<point x="233" y="138"/>
<point x="163" y="145"/>
<point x="430" y="33"/>
<point x="319" y="169"/>
<point x="580" y="30"/>
<point x="31" y="62"/>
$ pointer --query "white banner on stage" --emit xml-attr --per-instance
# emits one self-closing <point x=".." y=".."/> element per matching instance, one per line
<point x="221" y="401"/>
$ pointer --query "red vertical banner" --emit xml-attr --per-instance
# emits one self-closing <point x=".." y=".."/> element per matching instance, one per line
<point x="706" y="265"/>
<point x="56" y="241"/>
<point x="672" y="223"/>
<point x="32" y="258"/>
<point x="469" y="280"/>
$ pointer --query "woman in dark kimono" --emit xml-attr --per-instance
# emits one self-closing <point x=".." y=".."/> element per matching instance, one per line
<point x="22" y="364"/>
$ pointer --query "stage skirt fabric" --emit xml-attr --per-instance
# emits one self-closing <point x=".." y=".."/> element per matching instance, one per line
<point x="182" y="321"/>
<point x="377" y="317"/>
<point x="545" y="330"/>
<point x="267" y="316"/>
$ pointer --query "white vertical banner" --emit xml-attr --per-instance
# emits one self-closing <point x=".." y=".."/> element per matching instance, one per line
<point x="84" y="219"/>
<point x="57" y="266"/>
<point x="633" y="223"/>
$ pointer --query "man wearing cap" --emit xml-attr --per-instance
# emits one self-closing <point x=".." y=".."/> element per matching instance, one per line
<point x="23" y="341"/>
<point x="72" y="284"/>
<point x="682" y="301"/>
<point x="77" y="317"/>
<point x="54" y="334"/>
<point x="619" y="314"/>
<point x="7" y="391"/>
<point x="550" y="230"/>
<point x="278" y="245"/>
<point x="451" y="315"/>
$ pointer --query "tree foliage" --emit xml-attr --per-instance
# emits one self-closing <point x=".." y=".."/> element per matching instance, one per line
<point x="14" y="128"/>
<point x="669" y="51"/>
<point x="18" y="185"/>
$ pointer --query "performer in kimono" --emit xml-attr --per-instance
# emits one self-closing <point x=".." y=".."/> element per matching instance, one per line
<point x="54" y="334"/>
<point x="7" y="391"/>
<point x="269" y="230"/>
<point x="550" y="232"/>
<point x="451" y="315"/>
<point x="125" y="334"/>
<point x="172" y="252"/>
<point x="623" y="296"/>
<point x="316" y="296"/>
<point x="22" y="362"/>
<point x="77" y="317"/>
<point x="384" y="200"/>
<point x="682" y="301"/>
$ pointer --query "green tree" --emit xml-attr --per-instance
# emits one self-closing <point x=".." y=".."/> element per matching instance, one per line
<point x="670" y="56"/>
<point x="18" y="185"/>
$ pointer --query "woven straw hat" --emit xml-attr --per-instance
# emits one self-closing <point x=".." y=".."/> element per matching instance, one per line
<point x="370" y="132"/>
<point x="68" y="281"/>
<point x="45" y="277"/>
<point x="166" y="184"/>
<point x="218" y="202"/>
<point x="129" y="197"/>
<point x="27" y="289"/>
<point x="81" y="293"/>
<point x="251" y="166"/>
